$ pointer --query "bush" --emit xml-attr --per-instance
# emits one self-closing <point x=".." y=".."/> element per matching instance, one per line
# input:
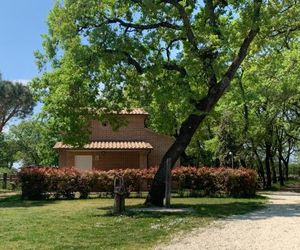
<point x="216" y="181"/>
<point x="41" y="182"/>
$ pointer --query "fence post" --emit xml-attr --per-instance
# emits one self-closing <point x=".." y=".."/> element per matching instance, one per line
<point x="4" y="185"/>
<point x="168" y="183"/>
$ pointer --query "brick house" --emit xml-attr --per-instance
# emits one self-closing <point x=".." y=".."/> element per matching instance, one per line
<point x="133" y="146"/>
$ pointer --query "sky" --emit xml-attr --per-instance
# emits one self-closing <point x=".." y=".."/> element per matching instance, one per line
<point x="22" y="22"/>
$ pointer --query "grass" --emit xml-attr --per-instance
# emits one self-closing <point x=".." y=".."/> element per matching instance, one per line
<point x="88" y="224"/>
<point x="293" y="181"/>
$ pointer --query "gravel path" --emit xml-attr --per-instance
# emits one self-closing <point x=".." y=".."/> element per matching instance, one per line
<point x="277" y="227"/>
<point x="7" y="194"/>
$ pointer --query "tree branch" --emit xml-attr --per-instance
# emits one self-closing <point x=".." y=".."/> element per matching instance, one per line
<point x="186" y="23"/>
<point x="170" y="45"/>
<point x="176" y="67"/>
<point x="277" y="32"/>
<point x="130" y="60"/>
<point x="206" y="55"/>
<point x="10" y="115"/>
<point x="215" y="92"/>
<point x="135" y="26"/>
<point x="162" y="24"/>
<point x="228" y="76"/>
<point x="210" y="8"/>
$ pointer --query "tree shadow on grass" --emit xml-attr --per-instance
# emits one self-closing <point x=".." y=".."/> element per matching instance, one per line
<point x="273" y="210"/>
<point x="214" y="210"/>
<point x="16" y="201"/>
<point x="252" y="210"/>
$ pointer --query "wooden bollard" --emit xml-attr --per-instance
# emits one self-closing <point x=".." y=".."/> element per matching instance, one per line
<point x="4" y="184"/>
<point x="119" y="195"/>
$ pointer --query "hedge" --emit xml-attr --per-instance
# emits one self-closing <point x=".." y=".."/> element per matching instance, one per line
<point x="42" y="182"/>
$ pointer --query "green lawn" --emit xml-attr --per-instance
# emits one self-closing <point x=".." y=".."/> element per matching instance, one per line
<point x="88" y="224"/>
<point x="292" y="182"/>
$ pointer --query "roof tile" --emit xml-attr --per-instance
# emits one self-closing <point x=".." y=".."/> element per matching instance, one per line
<point x="134" y="111"/>
<point x="109" y="145"/>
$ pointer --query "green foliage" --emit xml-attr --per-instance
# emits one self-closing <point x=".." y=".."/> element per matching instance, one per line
<point x="163" y="56"/>
<point x="34" y="143"/>
<point x="8" y="149"/>
<point x="7" y="170"/>
<point x="202" y="148"/>
<point x="176" y="59"/>
<point x="16" y="101"/>
<point x="262" y="106"/>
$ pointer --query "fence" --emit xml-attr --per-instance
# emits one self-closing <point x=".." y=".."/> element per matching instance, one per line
<point x="8" y="181"/>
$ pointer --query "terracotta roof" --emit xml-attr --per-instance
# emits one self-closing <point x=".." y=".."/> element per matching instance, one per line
<point x="134" y="111"/>
<point x="125" y="111"/>
<point x="109" y="145"/>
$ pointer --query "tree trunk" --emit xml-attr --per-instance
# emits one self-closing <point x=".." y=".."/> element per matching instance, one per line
<point x="185" y="159"/>
<point x="261" y="170"/>
<point x="267" y="163"/>
<point x="188" y="128"/>
<point x="274" y="175"/>
<point x="281" y="178"/>
<point x="286" y="168"/>
<point x="287" y="159"/>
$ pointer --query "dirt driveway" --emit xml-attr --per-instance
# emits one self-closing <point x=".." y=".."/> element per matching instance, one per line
<point x="277" y="227"/>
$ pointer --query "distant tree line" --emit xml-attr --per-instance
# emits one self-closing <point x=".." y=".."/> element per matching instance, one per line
<point x="29" y="141"/>
<point x="257" y="122"/>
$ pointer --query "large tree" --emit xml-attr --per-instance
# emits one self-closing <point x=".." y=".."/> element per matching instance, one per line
<point x="34" y="143"/>
<point x="175" y="57"/>
<point x="8" y="150"/>
<point x="16" y="101"/>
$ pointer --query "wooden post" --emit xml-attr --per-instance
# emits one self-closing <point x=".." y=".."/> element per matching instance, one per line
<point x="168" y="184"/>
<point x="4" y="185"/>
<point x="120" y="192"/>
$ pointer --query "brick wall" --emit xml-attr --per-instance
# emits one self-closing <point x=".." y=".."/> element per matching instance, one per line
<point x="105" y="160"/>
<point x="134" y="131"/>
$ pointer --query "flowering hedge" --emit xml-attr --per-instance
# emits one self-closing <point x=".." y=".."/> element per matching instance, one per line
<point x="41" y="182"/>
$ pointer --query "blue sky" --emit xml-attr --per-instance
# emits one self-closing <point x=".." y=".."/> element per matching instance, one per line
<point x="21" y="24"/>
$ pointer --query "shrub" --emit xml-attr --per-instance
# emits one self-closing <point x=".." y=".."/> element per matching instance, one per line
<point x="242" y="183"/>
<point x="40" y="182"/>
<point x="34" y="182"/>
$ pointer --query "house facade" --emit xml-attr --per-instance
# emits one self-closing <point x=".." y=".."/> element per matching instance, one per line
<point x="132" y="146"/>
